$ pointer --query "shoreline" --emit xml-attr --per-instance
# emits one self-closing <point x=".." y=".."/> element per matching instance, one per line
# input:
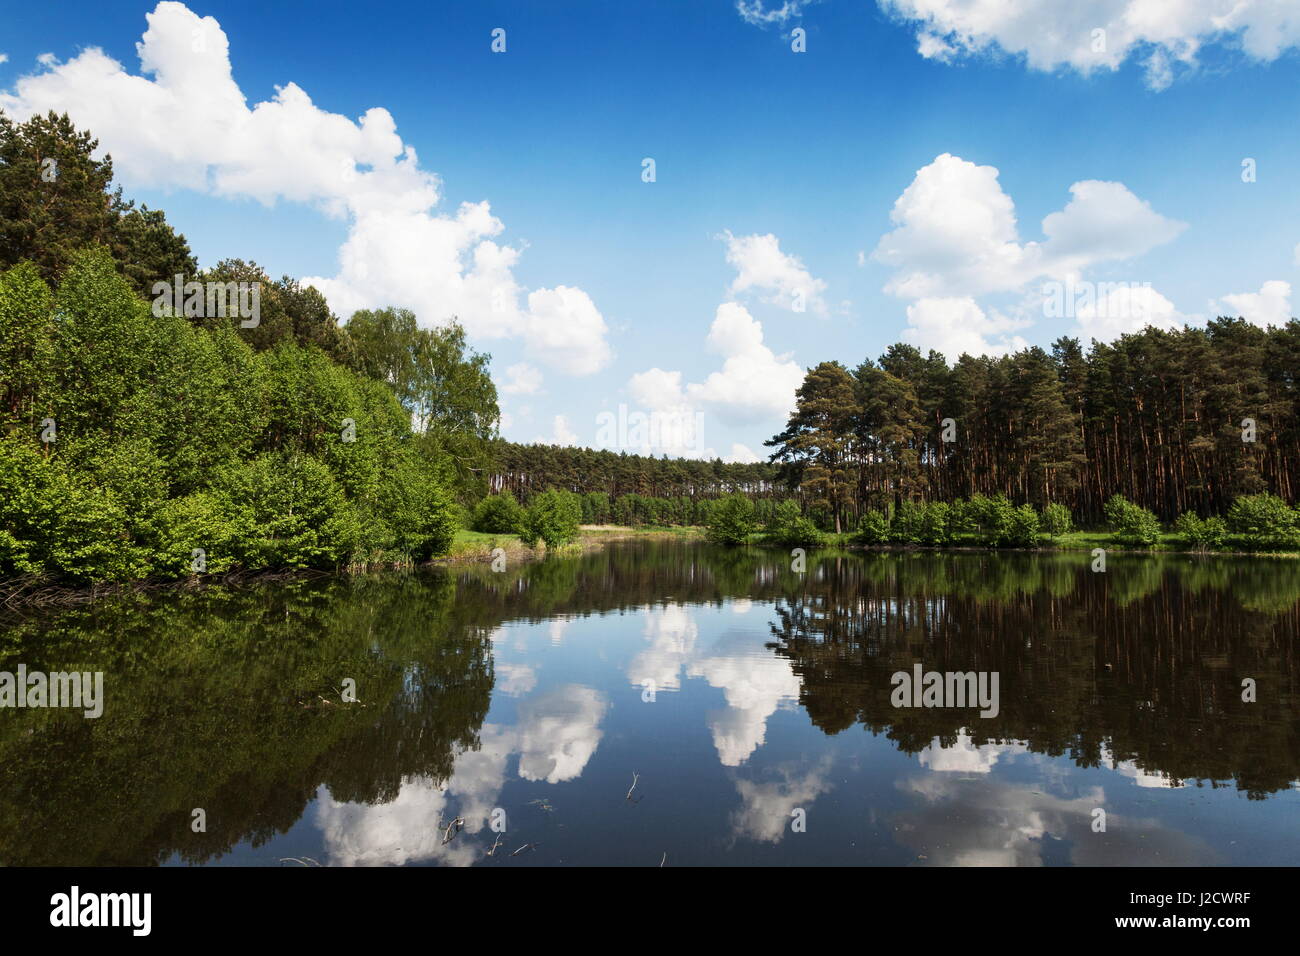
<point x="18" y="595"/>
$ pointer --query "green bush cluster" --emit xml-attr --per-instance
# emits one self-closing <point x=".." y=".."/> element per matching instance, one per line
<point x="552" y="517"/>
<point x="636" y="510"/>
<point x="130" y="441"/>
<point x="1131" y="523"/>
<point x="732" y="520"/>
<point x="1057" y="520"/>
<point x="498" y="514"/>
<point x="1207" y="534"/>
<point x="1264" y="522"/>
<point x="791" y="527"/>
<point x="980" y="520"/>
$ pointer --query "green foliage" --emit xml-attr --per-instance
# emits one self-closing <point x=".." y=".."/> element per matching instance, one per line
<point x="1264" y="521"/>
<point x="1024" y="525"/>
<point x="419" y="512"/>
<point x="53" y="193"/>
<point x="873" y="528"/>
<point x="446" y="388"/>
<point x="1057" y="520"/>
<point x="171" y="438"/>
<point x="1132" y="523"/>
<point x="905" y="525"/>
<point x="498" y="514"/>
<point x="552" y="517"/>
<point x="818" y="436"/>
<point x="992" y="519"/>
<point x="732" y="520"/>
<point x="1206" y="534"/>
<point x="291" y="512"/>
<point x="936" y="524"/>
<point x="790" y="527"/>
<point x="595" y="507"/>
<point x="25" y="337"/>
<point x="148" y="249"/>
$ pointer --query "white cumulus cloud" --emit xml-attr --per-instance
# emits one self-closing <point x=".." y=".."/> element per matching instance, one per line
<point x="184" y="122"/>
<point x="753" y="385"/>
<point x="954" y="326"/>
<point x="776" y="277"/>
<point x="522" y="379"/>
<point x="1126" y="309"/>
<point x="956" y="239"/>
<point x="1271" y="305"/>
<point x="955" y="233"/>
<point x="1101" y="34"/>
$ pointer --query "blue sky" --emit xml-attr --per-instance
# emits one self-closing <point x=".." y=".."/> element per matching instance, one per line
<point x="775" y="176"/>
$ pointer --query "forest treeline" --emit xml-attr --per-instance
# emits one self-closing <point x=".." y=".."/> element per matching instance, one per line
<point x="1174" y="421"/>
<point x="523" y="470"/>
<point x="139" y="440"/>
<point x="144" y="441"/>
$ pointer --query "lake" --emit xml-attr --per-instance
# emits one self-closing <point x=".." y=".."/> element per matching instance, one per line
<point x="666" y="702"/>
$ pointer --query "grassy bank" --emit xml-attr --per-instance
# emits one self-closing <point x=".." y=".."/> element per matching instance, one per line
<point x="472" y="547"/>
<point x="1168" y="543"/>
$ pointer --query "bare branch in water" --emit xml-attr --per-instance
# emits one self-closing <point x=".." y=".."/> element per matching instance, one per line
<point x="452" y="829"/>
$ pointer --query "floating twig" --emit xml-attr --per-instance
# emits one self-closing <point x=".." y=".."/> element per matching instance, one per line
<point x="452" y="829"/>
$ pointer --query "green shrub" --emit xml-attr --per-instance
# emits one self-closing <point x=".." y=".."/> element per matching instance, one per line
<point x="1132" y="523"/>
<point x="173" y="437"/>
<point x="290" y="512"/>
<point x="199" y="521"/>
<point x="873" y="528"/>
<point x="1023" y="529"/>
<point x="905" y="525"/>
<point x="790" y="527"/>
<point x="992" y="519"/>
<point x="417" y="510"/>
<point x="552" y="517"/>
<point x="1264" y="521"/>
<point x="732" y="520"/>
<point x="1057" y="520"/>
<point x="1206" y="534"/>
<point x="498" y="514"/>
<point x="936" y="526"/>
<point x="595" y="507"/>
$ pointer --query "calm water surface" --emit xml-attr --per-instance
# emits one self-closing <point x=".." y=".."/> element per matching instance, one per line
<point x="744" y="697"/>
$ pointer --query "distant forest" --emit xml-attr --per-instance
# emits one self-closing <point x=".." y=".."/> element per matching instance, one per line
<point x="523" y="470"/>
<point x="1177" y="422"/>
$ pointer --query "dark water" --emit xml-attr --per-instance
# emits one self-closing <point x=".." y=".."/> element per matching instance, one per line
<point x="769" y="738"/>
